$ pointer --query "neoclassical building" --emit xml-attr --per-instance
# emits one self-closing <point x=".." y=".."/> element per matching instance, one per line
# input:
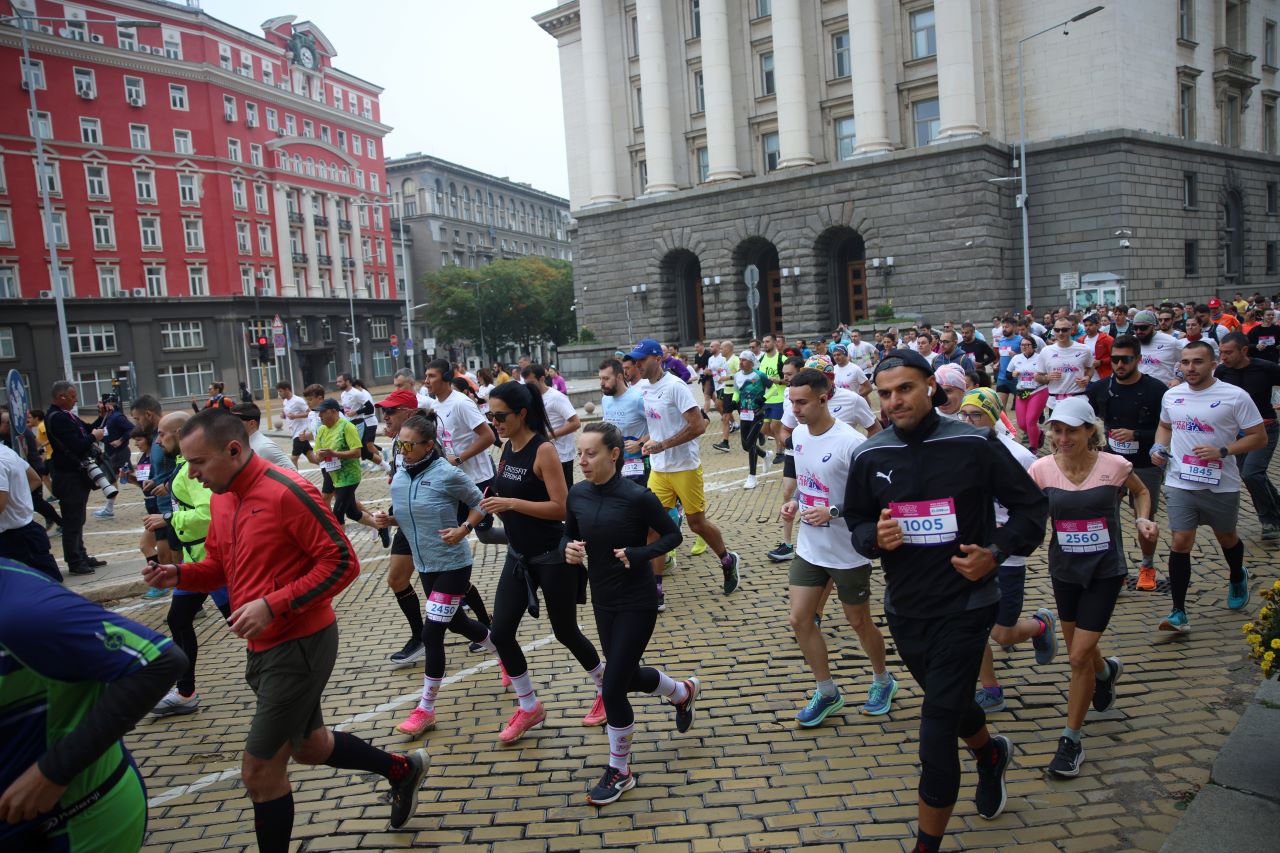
<point x="857" y="152"/>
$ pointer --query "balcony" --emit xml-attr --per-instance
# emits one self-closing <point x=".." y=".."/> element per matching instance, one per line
<point x="344" y="224"/>
<point x="320" y="220"/>
<point x="296" y="218"/>
<point x="1233" y="70"/>
<point x="299" y="257"/>
<point x="349" y="263"/>
<point x="325" y="260"/>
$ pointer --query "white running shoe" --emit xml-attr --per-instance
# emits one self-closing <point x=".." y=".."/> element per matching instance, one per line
<point x="174" y="703"/>
<point x="750" y="482"/>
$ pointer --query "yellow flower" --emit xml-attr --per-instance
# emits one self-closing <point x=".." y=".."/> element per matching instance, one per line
<point x="1255" y="639"/>
<point x="1247" y="627"/>
<point x="1269" y="657"/>
<point x="1275" y="644"/>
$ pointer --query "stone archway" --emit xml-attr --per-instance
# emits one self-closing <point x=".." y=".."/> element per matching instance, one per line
<point x="681" y="275"/>
<point x="763" y="254"/>
<point x="841" y="254"/>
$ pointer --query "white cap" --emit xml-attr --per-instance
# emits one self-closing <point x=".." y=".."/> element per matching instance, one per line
<point x="748" y="355"/>
<point x="1072" y="411"/>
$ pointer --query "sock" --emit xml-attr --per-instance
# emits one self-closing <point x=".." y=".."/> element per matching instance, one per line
<point x="620" y="747"/>
<point x="487" y="643"/>
<point x="1073" y="734"/>
<point x="430" y="689"/>
<point x="1146" y="561"/>
<point x="670" y="689"/>
<point x="1235" y="561"/>
<point x="525" y="695"/>
<point x="273" y="824"/>
<point x="995" y="690"/>
<point x="1179" y="578"/>
<point x="597" y="674"/>
<point x="828" y="688"/>
<point x="987" y="753"/>
<point x="882" y="678"/>
<point x="352" y="753"/>
<point x="411" y="607"/>
<point x="726" y="559"/>
<point x="1105" y="674"/>
<point x="659" y="582"/>
<point x="111" y="505"/>
<point x="926" y="843"/>
<point x="1043" y="626"/>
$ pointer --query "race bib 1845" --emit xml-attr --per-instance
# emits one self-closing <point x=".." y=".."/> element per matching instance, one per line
<point x="1197" y="470"/>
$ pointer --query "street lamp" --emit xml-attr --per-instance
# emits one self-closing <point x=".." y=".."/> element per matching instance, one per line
<point x="42" y="166"/>
<point x="1022" y="150"/>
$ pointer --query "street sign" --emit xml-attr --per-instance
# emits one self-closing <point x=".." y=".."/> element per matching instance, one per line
<point x="1069" y="280"/>
<point x="278" y="340"/>
<point x="429" y="345"/>
<point x="19" y="405"/>
<point x="395" y="352"/>
<point x="752" y="275"/>
<point x="395" y="340"/>
<point x="753" y="297"/>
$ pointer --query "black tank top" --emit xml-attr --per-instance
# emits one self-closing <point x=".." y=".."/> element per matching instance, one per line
<point x="516" y="479"/>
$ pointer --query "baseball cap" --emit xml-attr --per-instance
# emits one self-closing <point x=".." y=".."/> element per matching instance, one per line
<point x="1145" y="318"/>
<point x="840" y="348"/>
<point x="911" y="358"/>
<point x="1215" y="302"/>
<point x="747" y="355"/>
<point x="646" y="347"/>
<point x="328" y="403"/>
<point x="820" y="363"/>
<point x="1072" y="411"/>
<point x="1092" y="318"/>
<point x="400" y="398"/>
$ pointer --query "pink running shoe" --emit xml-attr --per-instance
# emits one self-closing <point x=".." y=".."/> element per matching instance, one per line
<point x="596" y="716"/>
<point x="520" y="723"/>
<point x="506" y="679"/>
<point x="417" y="722"/>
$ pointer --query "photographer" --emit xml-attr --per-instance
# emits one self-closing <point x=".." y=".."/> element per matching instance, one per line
<point x="73" y="442"/>
<point x="117" y="428"/>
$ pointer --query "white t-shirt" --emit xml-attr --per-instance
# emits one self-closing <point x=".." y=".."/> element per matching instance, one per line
<point x="1160" y="357"/>
<point x="559" y="411"/>
<point x="822" y="471"/>
<point x="846" y="406"/>
<point x="269" y="450"/>
<point x="1071" y="361"/>
<point x="1025" y="458"/>
<point x="665" y="403"/>
<point x="424" y="399"/>
<point x="312" y="425"/>
<point x="456" y="421"/>
<point x="1022" y="370"/>
<point x="718" y="366"/>
<point x="295" y="405"/>
<point x="483" y="393"/>
<point x="13" y="479"/>
<point x="1213" y="416"/>
<point x="862" y="353"/>
<point x="850" y="376"/>
<point x="353" y="400"/>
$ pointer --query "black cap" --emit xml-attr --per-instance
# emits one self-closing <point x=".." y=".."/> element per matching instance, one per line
<point x="910" y="358"/>
<point x="328" y="403"/>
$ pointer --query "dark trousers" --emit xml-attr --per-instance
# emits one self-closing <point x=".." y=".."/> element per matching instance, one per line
<point x="30" y="545"/>
<point x="46" y="509"/>
<point x="72" y="490"/>
<point x="1253" y="470"/>
<point x="623" y="638"/>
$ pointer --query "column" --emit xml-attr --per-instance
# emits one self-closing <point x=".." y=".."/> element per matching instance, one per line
<point x="866" y="43"/>
<point x="309" y="241"/>
<point x="717" y="93"/>
<point x="283" y="244"/>
<point x="656" y="95"/>
<point x="788" y="75"/>
<point x="335" y="245"/>
<point x="356" y="251"/>
<point x="957" y="92"/>
<point x="595" y="76"/>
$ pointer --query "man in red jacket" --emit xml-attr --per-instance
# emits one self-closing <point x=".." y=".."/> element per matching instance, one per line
<point x="283" y="557"/>
<point x="1100" y="344"/>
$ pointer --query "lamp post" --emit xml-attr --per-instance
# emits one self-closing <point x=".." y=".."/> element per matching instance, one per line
<point x="480" y="316"/>
<point x="1022" y="151"/>
<point x="42" y="166"/>
<point x="408" y="270"/>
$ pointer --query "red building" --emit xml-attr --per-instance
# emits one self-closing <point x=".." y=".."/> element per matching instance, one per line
<point x="204" y="179"/>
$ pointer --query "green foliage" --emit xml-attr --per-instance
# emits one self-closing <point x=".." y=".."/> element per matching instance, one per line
<point x="521" y="301"/>
<point x="1263" y="634"/>
<point x="885" y="311"/>
<point x="586" y="336"/>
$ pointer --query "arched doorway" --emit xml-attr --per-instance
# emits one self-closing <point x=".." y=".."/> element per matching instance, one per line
<point x="682" y="275"/>
<point x="763" y="255"/>
<point x="844" y="254"/>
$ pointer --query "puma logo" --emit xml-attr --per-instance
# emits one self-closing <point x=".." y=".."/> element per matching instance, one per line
<point x="888" y="477"/>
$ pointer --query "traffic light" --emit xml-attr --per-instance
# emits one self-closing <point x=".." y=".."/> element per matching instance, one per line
<point x="264" y="348"/>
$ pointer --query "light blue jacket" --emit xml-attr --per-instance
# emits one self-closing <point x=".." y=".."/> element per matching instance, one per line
<point x="428" y="503"/>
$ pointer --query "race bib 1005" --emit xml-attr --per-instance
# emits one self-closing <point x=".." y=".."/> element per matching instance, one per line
<point x="926" y="522"/>
<point x="1083" y="536"/>
<point x="1197" y="470"/>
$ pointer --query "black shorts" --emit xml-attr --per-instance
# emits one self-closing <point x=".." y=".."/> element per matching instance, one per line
<point x="300" y="447"/>
<point x="1089" y="607"/>
<point x="727" y="401"/>
<point x="326" y="483"/>
<point x="345" y="504"/>
<point x="400" y="545"/>
<point x="789" y="462"/>
<point x="944" y="653"/>
<point x="1011" y="581"/>
<point x="369" y="433"/>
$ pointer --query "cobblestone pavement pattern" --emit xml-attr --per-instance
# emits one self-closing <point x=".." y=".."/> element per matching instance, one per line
<point x="745" y="777"/>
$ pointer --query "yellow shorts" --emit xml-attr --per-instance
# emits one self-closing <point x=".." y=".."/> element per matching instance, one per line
<point x="685" y="486"/>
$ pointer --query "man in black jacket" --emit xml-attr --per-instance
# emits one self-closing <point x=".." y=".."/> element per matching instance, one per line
<point x="920" y="498"/>
<point x="71" y="440"/>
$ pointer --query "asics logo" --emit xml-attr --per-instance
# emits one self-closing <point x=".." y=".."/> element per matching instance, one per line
<point x="888" y="477"/>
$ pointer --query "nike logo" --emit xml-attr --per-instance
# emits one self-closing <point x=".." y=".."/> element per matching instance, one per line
<point x="888" y="477"/>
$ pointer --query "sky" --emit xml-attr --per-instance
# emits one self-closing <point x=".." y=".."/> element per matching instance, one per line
<point x="476" y="82"/>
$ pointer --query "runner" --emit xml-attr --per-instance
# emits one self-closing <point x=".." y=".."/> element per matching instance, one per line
<point x="916" y="494"/>
<point x="1257" y="377"/>
<point x="562" y="418"/>
<point x="1086" y="558"/>
<point x="823" y="449"/>
<point x="296" y="414"/>
<point x="953" y="381"/>
<point x="849" y="375"/>
<point x="770" y="365"/>
<point x="702" y="366"/>
<point x="315" y="395"/>
<point x="281" y="591"/>
<point x="357" y="405"/>
<point x="1032" y="394"/>
<point x="1195" y="444"/>
<point x="752" y="388"/>
<point x="725" y="371"/>
<point x="22" y="538"/>
<point x="1099" y="343"/>
<point x="338" y="446"/>
<point x="115" y="443"/>
<point x="1064" y="365"/>
<point x="263" y="446"/>
<point x="1007" y="345"/>
<point x="529" y="493"/>
<point x="609" y="526"/>
<point x="862" y="353"/>
<point x="1159" y="349"/>
<point x="624" y="408"/>
<point x="1263" y="338"/>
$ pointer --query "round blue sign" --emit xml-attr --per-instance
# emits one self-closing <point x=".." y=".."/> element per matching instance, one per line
<point x="19" y="405"/>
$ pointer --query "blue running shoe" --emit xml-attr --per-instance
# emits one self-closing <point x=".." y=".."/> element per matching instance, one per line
<point x="819" y="708"/>
<point x="1238" y="592"/>
<point x="1046" y="645"/>
<point x="990" y="699"/>
<point x="1176" y="621"/>
<point x="880" y="698"/>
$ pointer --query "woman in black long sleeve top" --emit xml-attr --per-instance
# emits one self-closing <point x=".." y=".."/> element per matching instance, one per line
<point x="607" y="527"/>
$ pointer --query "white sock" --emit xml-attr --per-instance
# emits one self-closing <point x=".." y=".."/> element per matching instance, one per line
<point x="881" y="678"/>
<point x="669" y="688"/>
<point x="111" y="505"/>
<point x="620" y="747"/>
<point x="523" y="685"/>
<point x="430" y="689"/>
<point x="828" y="688"/>
<point x="597" y="675"/>
<point x="487" y="644"/>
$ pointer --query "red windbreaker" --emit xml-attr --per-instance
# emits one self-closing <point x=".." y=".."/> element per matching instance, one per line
<point x="272" y="537"/>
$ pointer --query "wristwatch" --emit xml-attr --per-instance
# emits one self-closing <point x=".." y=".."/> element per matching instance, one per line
<point x="1222" y="451"/>
<point x="167" y="516"/>
<point x="998" y="554"/>
<point x="467" y="524"/>
<point x="834" y="510"/>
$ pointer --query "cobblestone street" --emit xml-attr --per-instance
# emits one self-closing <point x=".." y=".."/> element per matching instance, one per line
<point x="745" y="777"/>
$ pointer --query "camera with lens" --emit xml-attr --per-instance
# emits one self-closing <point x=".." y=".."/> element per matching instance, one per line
<point x="95" y="468"/>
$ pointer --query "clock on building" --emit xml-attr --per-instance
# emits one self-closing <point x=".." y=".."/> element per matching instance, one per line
<point x="304" y="52"/>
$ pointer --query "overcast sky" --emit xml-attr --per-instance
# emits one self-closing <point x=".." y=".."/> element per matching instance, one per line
<point x="475" y="82"/>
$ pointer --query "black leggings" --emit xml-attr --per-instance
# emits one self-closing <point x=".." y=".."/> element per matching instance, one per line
<point x="623" y="638"/>
<point x="559" y="584"/>
<point x="445" y="591"/>
<point x="345" y="505"/>
<point x="45" y="508"/>
<point x="750" y="435"/>
<point x="182" y="615"/>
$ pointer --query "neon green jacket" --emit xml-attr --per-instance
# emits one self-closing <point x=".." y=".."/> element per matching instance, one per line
<point x="190" y="519"/>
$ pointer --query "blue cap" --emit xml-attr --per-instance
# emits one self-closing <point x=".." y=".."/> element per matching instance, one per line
<point x="646" y="347"/>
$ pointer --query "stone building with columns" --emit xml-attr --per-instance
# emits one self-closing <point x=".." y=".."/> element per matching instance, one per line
<point x="862" y="152"/>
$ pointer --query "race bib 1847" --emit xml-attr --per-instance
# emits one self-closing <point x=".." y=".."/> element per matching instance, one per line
<point x="926" y="522"/>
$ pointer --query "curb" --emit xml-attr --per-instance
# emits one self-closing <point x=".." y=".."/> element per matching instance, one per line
<point x="113" y="590"/>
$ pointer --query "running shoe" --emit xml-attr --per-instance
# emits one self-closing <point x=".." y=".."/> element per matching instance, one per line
<point x="990" y="699"/>
<point x="1067" y="760"/>
<point x="819" y="708"/>
<point x="1146" y="578"/>
<point x="104" y="513"/>
<point x="596" y="716"/>
<point x="613" y="784"/>
<point x="1238" y="591"/>
<point x="880" y="698"/>
<point x="699" y="546"/>
<point x="662" y="601"/>
<point x="154" y="592"/>
<point x="782" y="553"/>
<point x="520" y="723"/>
<point x="475" y="647"/>
<point x="506" y="679"/>
<point x="1270" y="532"/>
<point x="1104" y="692"/>
<point x="404" y="794"/>
<point x="1176" y="621"/>
<point x="1046" y="645"/>
<point x="722" y="446"/>
<point x="750" y="482"/>
<point x="417" y="722"/>
<point x="733" y="427"/>
<point x="174" y="704"/>
<point x="684" y="710"/>
<point x="385" y="535"/>
<point x="412" y="652"/>
<point x="670" y="562"/>
<point x="730" y="565"/>
<point x="764" y="465"/>
<point x="778" y="457"/>
<point x="990" y="796"/>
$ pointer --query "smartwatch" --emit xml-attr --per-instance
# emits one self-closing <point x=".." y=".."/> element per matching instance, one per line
<point x="167" y="516"/>
<point x="998" y="554"/>
<point x="834" y="510"/>
<point x="1223" y="451"/>
<point x="467" y="524"/>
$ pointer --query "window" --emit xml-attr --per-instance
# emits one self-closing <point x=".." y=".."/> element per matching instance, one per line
<point x="264" y="239"/>
<point x="260" y="197"/>
<point x="182" y="334"/>
<point x="769" y="145"/>
<point x="373" y="182"/>
<point x="135" y="92"/>
<point x="1191" y="257"/>
<point x="704" y="165"/>
<point x="290" y="125"/>
<point x="41" y="124"/>
<point x="251" y="114"/>
<point x="94" y="383"/>
<point x="126" y="38"/>
<point x="1271" y="257"/>
<point x="695" y="19"/>
<point x="1269" y="126"/>
<point x="7" y="349"/>
<point x="383" y="363"/>
<point x="355" y="144"/>
<point x="308" y="129"/>
<point x="233" y="149"/>
<point x="1187" y="20"/>
<point x="1269" y="44"/>
<point x="924" y="115"/>
<point x="85" y="338"/>
<point x="32" y="73"/>
<point x="91" y="131"/>
<point x="144" y="185"/>
<point x="59" y="228"/>
<point x="229" y="107"/>
<point x="766" y="74"/>
<point x="109" y="283"/>
<point x="371" y="146"/>
<point x="6" y="226"/>
<point x="1273" y="198"/>
<point x="182" y="142"/>
<point x="85" y="84"/>
<point x="1231" y="120"/>
<point x="9" y="283"/>
<point x="177" y="96"/>
<point x="379" y="329"/>
<point x="840" y="55"/>
<point x="66" y="281"/>
<point x="272" y="122"/>
<point x="1187" y="110"/>
<point x="149" y="229"/>
<point x="325" y="134"/>
<point x="255" y="153"/>
<point x="197" y="281"/>
<point x="172" y="44"/>
<point x="268" y="74"/>
<point x="846" y="138"/>
<point x="246" y="281"/>
<point x="633" y="27"/>
<point x="184" y="381"/>
<point x="924" y="39"/>
<point x="50" y="176"/>
<point x="224" y="56"/>
<point x="193" y="235"/>
<point x="764" y="8"/>
<point x="242" y="238"/>
<point x="139" y="136"/>
<point x="238" y="199"/>
<point x="187" y="189"/>
<point x="104" y="231"/>
<point x="1234" y="19"/>
<point x="699" y="97"/>
<point x="1189" y="189"/>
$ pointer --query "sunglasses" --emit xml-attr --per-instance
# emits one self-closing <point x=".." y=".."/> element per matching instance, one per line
<point x="1143" y="328"/>
<point x="403" y="444"/>
<point x="501" y="417"/>
<point x="1123" y="359"/>
<point x="1061" y="331"/>
<point x="389" y="411"/>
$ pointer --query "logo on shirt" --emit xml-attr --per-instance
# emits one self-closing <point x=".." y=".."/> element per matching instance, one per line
<point x="810" y="482"/>
<point x="888" y="477"/>
<point x="1193" y="424"/>
<point x="1215" y="404"/>
<point x="652" y="414"/>
<point x="827" y="458"/>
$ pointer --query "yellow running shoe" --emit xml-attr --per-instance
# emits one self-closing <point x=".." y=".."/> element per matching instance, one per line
<point x="699" y="546"/>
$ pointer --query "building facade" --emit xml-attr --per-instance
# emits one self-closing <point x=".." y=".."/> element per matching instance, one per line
<point x="864" y="152"/>
<point x="204" y="180"/>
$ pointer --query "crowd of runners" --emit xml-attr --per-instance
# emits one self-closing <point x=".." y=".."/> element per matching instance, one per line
<point x="943" y="457"/>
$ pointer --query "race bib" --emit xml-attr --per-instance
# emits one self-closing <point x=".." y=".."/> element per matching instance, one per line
<point x="1197" y="470"/>
<point x="1083" y="536"/>
<point x="1127" y="448"/>
<point x="747" y="415"/>
<point x="1027" y="382"/>
<point x="926" y="522"/>
<point x="808" y="501"/>
<point x="633" y="468"/>
<point x="1006" y="352"/>
<point x="1268" y="341"/>
<point x="330" y="464"/>
<point x="441" y="607"/>
<point x="143" y="471"/>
